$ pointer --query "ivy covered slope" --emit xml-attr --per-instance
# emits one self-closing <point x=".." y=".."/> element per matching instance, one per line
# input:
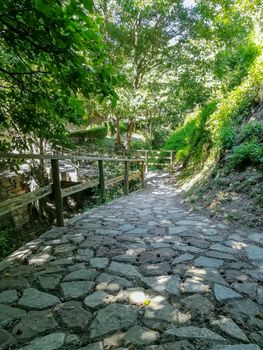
<point x="222" y="144"/>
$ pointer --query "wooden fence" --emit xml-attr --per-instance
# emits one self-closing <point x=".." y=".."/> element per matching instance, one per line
<point x="164" y="158"/>
<point x="59" y="193"/>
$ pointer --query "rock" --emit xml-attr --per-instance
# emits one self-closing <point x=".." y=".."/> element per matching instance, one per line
<point x="8" y="296"/>
<point x="208" y="262"/>
<point x="34" y="323"/>
<point x="139" y="336"/>
<point x="76" y="267"/>
<point x="177" y="230"/>
<point x="13" y="283"/>
<point x="52" y="341"/>
<point x="9" y="314"/>
<point x="129" y="271"/>
<point x="94" y="346"/>
<point x="84" y="254"/>
<point x="219" y="255"/>
<point x="63" y="249"/>
<point x="260" y="294"/>
<point x="76" y="289"/>
<point x="72" y="339"/>
<point x="194" y="285"/>
<point x="40" y="259"/>
<point x="182" y="258"/>
<point x="223" y="293"/>
<point x="36" y="300"/>
<point x="244" y="311"/>
<point x="112" y="318"/>
<point x="166" y="312"/>
<point x="169" y="284"/>
<point x="155" y="269"/>
<point x="112" y="284"/>
<point x="206" y="274"/>
<point x="98" y="299"/>
<point x="199" y="305"/>
<point x="99" y="263"/>
<point x="249" y="288"/>
<point x="63" y="261"/>
<point x="179" y="345"/>
<point x="156" y="256"/>
<point x="6" y="339"/>
<point x="222" y="248"/>
<point x="236" y="347"/>
<point x="73" y="315"/>
<point x="48" y="282"/>
<point x="253" y="252"/>
<point x="229" y="327"/>
<point x="81" y="275"/>
<point x="134" y="296"/>
<point x="195" y="333"/>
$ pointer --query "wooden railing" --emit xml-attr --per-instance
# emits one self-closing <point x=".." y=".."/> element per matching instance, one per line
<point x="157" y="157"/>
<point x="59" y="193"/>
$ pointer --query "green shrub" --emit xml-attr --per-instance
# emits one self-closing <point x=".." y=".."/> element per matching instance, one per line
<point x="99" y="132"/>
<point x="193" y="135"/>
<point x="253" y="130"/>
<point x="246" y="154"/>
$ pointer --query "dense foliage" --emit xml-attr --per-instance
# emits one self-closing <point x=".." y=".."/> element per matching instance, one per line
<point x="52" y="58"/>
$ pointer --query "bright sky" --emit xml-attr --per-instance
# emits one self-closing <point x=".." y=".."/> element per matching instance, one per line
<point x="189" y="3"/>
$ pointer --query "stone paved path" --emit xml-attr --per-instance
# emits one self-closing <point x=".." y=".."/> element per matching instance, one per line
<point x="138" y="273"/>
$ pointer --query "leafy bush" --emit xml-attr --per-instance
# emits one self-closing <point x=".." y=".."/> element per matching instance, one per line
<point x="246" y="154"/>
<point x="192" y="135"/>
<point x="253" y="130"/>
<point x="99" y="132"/>
<point x="5" y="243"/>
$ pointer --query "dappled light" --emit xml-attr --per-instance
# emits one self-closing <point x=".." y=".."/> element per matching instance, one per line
<point x="131" y="182"/>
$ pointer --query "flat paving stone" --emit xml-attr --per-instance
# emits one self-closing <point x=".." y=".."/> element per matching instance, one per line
<point x="76" y="289"/>
<point x="111" y="283"/>
<point x="51" y="341"/>
<point x="138" y="335"/>
<point x="169" y="284"/>
<point x="254" y="252"/>
<point x="223" y="293"/>
<point x="35" y="300"/>
<point x="195" y="333"/>
<point x="236" y="347"/>
<point x="99" y="263"/>
<point x="167" y="313"/>
<point x="182" y="258"/>
<point x="6" y="339"/>
<point x="98" y="299"/>
<point x="8" y="296"/>
<point x="208" y="262"/>
<point x="178" y="345"/>
<point x="34" y="323"/>
<point x="199" y="305"/>
<point x="230" y="328"/>
<point x="112" y="318"/>
<point x="127" y="270"/>
<point x="9" y="314"/>
<point x="73" y="315"/>
<point x="81" y="275"/>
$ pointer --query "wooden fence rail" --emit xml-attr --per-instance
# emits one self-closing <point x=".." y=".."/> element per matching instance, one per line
<point x="59" y="193"/>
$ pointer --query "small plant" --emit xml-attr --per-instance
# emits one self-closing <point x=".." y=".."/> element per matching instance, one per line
<point x="250" y="153"/>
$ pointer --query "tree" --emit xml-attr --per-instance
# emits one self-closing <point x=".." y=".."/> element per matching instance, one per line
<point x="52" y="58"/>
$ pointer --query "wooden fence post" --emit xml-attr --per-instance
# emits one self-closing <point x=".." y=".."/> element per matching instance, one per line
<point x="101" y="180"/>
<point x="146" y="161"/>
<point x="143" y="174"/>
<point x="126" y="178"/>
<point x="57" y="192"/>
<point x="171" y="161"/>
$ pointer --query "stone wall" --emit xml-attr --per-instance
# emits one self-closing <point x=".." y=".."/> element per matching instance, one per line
<point x="12" y="185"/>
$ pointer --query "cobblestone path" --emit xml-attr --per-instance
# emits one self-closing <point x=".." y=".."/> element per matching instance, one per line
<point x="138" y="273"/>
